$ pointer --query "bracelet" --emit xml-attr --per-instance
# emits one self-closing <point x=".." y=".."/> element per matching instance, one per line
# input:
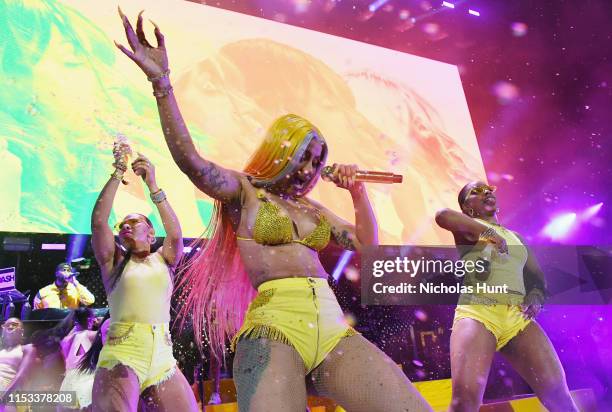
<point x="159" y="76"/>
<point x="120" y="165"/>
<point x="487" y="235"/>
<point x="158" y="196"/>
<point x="162" y="93"/>
<point x="118" y="175"/>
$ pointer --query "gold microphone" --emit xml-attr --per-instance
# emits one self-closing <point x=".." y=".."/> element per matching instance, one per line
<point x="366" y="176"/>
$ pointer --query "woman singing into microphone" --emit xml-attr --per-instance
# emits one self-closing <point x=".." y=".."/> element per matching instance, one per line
<point x="137" y="359"/>
<point x="266" y="234"/>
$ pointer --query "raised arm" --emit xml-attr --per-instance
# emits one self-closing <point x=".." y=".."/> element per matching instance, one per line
<point x="172" y="250"/>
<point x="85" y="296"/>
<point x="468" y="230"/>
<point x="217" y="182"/>
<point x="102" y="238"/>
<point x="459" y="223"/>
<point x="365" y="230"/>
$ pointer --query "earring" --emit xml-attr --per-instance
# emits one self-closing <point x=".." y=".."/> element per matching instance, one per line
<point x="471" y="212"/>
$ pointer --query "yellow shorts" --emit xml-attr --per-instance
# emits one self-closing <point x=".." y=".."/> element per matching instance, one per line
<point x="503" y="321"/>
<point x="301" y="312"/>
<point x="146" y="348"/>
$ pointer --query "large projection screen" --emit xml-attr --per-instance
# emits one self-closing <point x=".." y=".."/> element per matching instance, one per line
<point x="68" y="93"/>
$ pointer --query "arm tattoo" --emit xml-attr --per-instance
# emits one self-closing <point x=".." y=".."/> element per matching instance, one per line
<point x="344" y="239"/>
<point x="213" y="177"/>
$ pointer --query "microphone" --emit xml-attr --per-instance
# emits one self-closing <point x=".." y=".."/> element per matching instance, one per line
<point x="367" y="176"/>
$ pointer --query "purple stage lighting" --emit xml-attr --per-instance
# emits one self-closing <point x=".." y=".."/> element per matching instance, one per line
<point x="377" y="5"/>
<point x="342" y="262"/>
<point x="560" y="226"/>
<point x="591" y="211"/>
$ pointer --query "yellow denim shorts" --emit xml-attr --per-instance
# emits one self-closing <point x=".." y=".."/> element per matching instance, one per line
<point x="146" y="348"/>
<point x="301" y="312"/>
<point x="503" y="321"/>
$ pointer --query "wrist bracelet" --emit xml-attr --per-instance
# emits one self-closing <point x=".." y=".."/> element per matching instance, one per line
<point x="487" y="235"/>
<point x="162" y="93"/>
<point x="118" y="175"/>
<point x="158" y="196"/>
<point x="159" y="76"/>
<point x="120" y="165"/>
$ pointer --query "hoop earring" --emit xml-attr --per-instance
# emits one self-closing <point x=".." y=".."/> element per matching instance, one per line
<point x="471" y="212"/>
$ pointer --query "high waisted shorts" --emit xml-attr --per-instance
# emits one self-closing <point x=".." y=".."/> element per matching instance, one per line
<point x="300" y="312"/>
<point x="146" y="348"/>
<point x="503" y="321"/>
<point x="81" y="383"/>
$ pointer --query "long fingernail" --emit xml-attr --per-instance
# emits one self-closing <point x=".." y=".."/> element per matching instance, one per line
<point x="140" y="14"/>
<point x="120" y="12"/>
<point x="153" y="23"/>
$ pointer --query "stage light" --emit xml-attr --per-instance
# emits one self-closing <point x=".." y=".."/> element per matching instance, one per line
<point x="560" y="226"/>
<point x="377" y="5"/>
<point x="187" y="249"/>
<point x="519" y="29"/>
<point x="301" y="6"/>
<point x="591" y="211"/>
<point x="76" y="246"/>
<point x="474" y="12"/>
<point x="53" y="246"/>
<point x="17" y="244"/>
<point x="342" y="262"/>
<point x="447" y="4"/>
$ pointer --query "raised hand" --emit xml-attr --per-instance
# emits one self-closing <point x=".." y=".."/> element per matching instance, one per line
<point x="153" y="61"/>
<point x="344" y="176"/>
<point x="144" y="168"/>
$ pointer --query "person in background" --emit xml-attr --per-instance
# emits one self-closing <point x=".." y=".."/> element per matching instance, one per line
<point x="13" y="355"/>
<point x="65" y="293"/>
<point x="74" y="347"/>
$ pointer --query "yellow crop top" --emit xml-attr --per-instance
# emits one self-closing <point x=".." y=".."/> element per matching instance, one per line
<point x="271" y="228"/>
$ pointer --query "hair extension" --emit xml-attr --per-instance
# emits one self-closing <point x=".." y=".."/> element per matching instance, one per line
<point x="90" y="360"/>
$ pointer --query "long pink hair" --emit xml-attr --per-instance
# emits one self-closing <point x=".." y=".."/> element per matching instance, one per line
<point x="214" y="288"/>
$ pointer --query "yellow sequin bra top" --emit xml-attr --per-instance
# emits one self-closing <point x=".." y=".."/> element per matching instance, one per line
<point x="272" y="228"/>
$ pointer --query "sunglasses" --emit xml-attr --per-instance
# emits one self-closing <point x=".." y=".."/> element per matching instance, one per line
<point x="132" y="222"/>
<point x="11" y="326"/>
<point x="479" y="190"/>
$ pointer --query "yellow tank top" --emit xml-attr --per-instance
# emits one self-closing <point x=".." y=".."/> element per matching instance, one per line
<point x="506" y="269"/>
<point x="272" y="228"/>
<point x="143" y="292"/>
<point x="10" y="359"/>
